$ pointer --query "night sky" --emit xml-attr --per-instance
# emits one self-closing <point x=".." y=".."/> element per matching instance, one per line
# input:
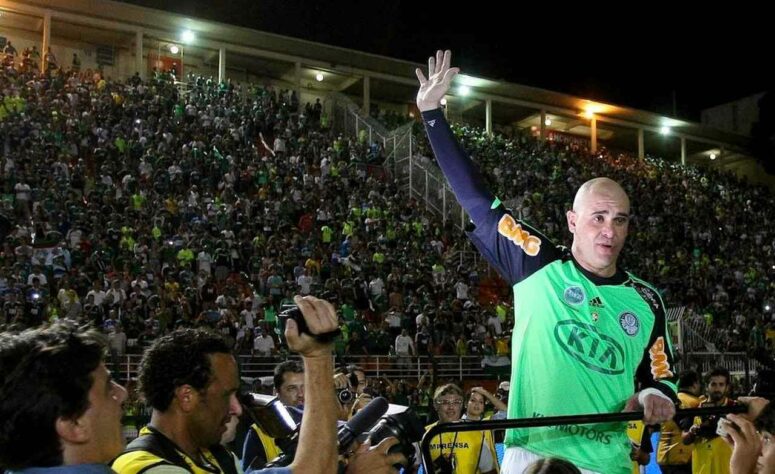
<point x="648" y="56"/>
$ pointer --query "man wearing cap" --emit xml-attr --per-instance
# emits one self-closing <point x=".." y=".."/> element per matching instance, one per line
<point x="583" y="327"/>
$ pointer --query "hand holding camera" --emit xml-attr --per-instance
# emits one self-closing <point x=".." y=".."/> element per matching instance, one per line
<point x="309" y="327"/>
<point x="725" y="426"/>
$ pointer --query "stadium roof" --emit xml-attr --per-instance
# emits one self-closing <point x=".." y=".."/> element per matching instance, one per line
<point x="391" y="80"/>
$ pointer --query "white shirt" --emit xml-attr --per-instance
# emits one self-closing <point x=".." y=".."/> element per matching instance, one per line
<point x="99" y="296"/>
<point x="249" y="316"/>
<point x="23" y="191"/>
<point x="461" y="290"/>
<point x="204" y="260"/>
<point x="495" y="323"/>
<point x="376" y="286"/>
<point x="263" y="345"/>
<point x="41" y="277"/>
<point x="305" y="283"/>
<point x="403" y="344"/>
<point x="421" y="319"/>
<point x="393" y="320"/>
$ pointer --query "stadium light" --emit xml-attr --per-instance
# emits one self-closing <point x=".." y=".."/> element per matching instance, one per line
<point x="664" y="130"/>
<point x="464" y="90"/>
<point x="174" y="49"/>
<point x="319" y="77"/>
<point x="188" y="36"/>
<point x="591" y="108"/>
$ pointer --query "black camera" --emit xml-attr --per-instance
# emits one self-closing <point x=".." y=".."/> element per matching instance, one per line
<point x="270" y="414"/>
<point x="344" y="395"/>
<point x="444" y="464"/>
<point x="293" y="312"/>
<point x="404" y="426"/>
<point x="708" y="427"/>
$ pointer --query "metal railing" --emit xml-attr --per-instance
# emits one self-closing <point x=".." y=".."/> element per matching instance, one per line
<point x="415" y="174"/>
<point x="391" y="367"/>
<point x="737" y="363"/>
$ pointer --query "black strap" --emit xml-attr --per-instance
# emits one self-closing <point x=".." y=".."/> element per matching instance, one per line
<point x="158" y="444"/>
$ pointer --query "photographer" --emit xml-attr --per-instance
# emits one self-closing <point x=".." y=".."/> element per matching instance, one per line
<point x="260" y="448"/>
<point x="190" y="379"/>
<point x="709" y="451"/>
<point x="458" y="452"/>
<point x="319" y="419"/>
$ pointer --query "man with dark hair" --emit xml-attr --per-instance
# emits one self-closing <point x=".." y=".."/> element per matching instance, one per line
<point x="709" y="451"/>
<point x="289" y="383"/>
<point x="359" y="379"/>
<point x="59" y="407"/>
<point x="260" y="448"/>
<point x="190" y="379"/>
<point x="673" y="456"/>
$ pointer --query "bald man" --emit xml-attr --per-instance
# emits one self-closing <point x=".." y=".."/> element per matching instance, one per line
<point x="583" y="329"/>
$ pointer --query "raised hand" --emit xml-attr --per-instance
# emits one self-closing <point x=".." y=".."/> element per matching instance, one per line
<point x="435" y="87"/>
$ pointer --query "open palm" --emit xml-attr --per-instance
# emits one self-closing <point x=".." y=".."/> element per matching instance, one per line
<point x="440" y="76"/>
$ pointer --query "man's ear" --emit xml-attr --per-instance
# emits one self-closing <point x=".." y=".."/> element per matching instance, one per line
<point x="186" y="397"/>
<point x="72" y="430"/>
<point x="571" y="217"/>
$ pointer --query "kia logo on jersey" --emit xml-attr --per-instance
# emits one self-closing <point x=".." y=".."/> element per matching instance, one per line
<point x="584" y="343"/>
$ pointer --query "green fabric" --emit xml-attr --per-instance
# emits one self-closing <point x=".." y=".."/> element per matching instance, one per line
<point x="576" y="329"/>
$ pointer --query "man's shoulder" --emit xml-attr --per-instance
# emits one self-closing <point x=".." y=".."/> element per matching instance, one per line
<point x="140" y="460"/>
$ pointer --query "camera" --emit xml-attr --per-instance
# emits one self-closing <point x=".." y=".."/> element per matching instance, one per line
<point x="344" y="395"/>
<point x="293" y="312"/>
<point x="277" y="421"/>
<point x="269" y="413"/>
<point x="444" y="464"/>
<point x="404" y="426"/>
<point x="709" y="426"/>
<point x="725" y="426"/>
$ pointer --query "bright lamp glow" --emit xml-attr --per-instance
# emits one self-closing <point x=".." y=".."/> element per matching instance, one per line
<point x="174" y="49"/>
<point x="664" y="130"/>
<point x="319" y="77"/>
<point x="443" y="101"/>
<point x="712" y="156"/>
<point x="548" y="122"/>
<point x="464" y="90"/>
<point x="188" y="36"/>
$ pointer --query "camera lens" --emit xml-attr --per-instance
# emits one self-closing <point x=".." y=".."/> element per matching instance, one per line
<point x="405" y="426"/>
<point x="344" y="395"/>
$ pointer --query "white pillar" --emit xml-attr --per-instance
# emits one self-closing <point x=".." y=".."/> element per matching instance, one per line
<point x="542" y="125"/>
<point x="683" y="151"/>
<point x="488" y="117"/>
<point x="366" y="95"/>
<point x="139" y="54"/>
<point x="46" y="40"/>
<point x="298" y="81"/>
<point x="593" y="130"/>
<point x="641" y="147"/>
<point x="221" y="65"/>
